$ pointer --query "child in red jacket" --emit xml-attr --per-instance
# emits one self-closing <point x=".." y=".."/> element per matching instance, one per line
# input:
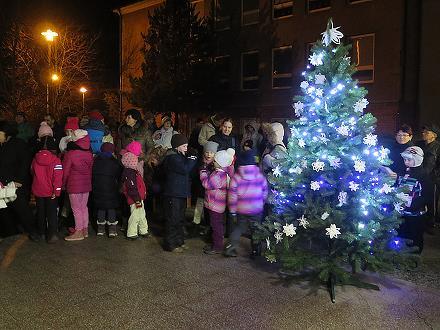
<point x="47" y="173"/>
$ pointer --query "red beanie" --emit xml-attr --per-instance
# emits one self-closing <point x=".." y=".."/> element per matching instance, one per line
<point x="96" y="115"/>
<point x="72" y="123"/>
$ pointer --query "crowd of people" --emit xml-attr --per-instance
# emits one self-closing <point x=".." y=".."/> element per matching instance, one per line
<point x="85" y="168"/>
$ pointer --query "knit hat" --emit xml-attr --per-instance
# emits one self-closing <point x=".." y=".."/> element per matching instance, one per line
<point x="79" y="134"/>
<point x="210" y="146"/>
<point x="433" y="128"/>
<point x="177" y="140"/>
<point x="224" y="157"/>
<point x="135" y="114"/>
<point x="134" y="147"/>
<point x="44" y="130"/>
<point x="248" y="157"/>
<point x="415" y="153"/>
<point x="129" y="160"/>
<point x="96" y="115"/>
<point x="72" y="123"/>
<point x="108" y="147"/>
<point x="165" y="119"/>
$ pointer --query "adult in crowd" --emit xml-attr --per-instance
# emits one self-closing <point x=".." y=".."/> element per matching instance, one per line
<point x="15" y="164"/>
<point x="162" y="137"/>
<point x="403" y="140"/>
<point x="57" y="129"/>
<point x="25" y="131"/>
<point x="275" y="149"/>
<point x="224" y="138"/>
<point x="135" y="129"/>
<point x="251" y="134"/>
<point x="209" y="129"/>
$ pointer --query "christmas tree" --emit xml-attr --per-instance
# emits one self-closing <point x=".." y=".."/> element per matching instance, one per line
<point x="335" y="210"/>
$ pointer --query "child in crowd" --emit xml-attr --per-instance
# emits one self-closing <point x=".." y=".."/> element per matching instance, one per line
<point x="77" y="179"/>
<point x="134" y="190"/>
<point x="47" y="173"/>
<point x="69" y="129"/>
<point x="106" y="173"/>
<point x="420" y="190"/>
<point x="44" y="134"/>
<point x="216" y="185"/>
<point x="246" y="198"/>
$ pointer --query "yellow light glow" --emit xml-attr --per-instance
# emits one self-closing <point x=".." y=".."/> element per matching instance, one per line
<point x="55" y="77"/>
<point x="49" y="34"/>
<point x="83" y="90"/>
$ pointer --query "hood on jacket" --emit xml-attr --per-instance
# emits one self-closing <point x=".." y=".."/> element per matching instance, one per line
<point x="252" y="123"/>
<point x="274" y="133"/>
<point x="249" y="172"/>
<point x="83" y="143"/>
<point x="95" y="124"/>
<point x="44" y="157"/>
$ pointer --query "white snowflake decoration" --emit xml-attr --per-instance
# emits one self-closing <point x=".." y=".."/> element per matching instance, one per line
<point x="360" y="105"/>
<point x="268" y="243"/>
<point x="278" y="236"/>
<point x="316" y="59"/>
<point x="342" y="198"/>
<point x="304" y="84"/>
<point x="299" y="107"/>
<point x="277" y="171"/>
<point x="289" y="230"/>
<point x="370" y="140"/>
<point x="398" y="207"/>
<point x="359" y="165"/>
<point x="386" y="189"/>
<point x="319" y="79"/>
<point x="325" y="215"/>
<point x="333" y="231"/>
<point x="301" y="143"/>
<point x="383" y="153"/>
<point x="319" y="92"/>
<point x="318" y="165"/>
<point x="303" y="221"/>
<point x="343" y="130"/>
<point x="297" y="170"/>
<point x="353" y="186"/>
<point x="314" y="185"/>
<point x="332" y="35"/>
<point x="335" y="162"/>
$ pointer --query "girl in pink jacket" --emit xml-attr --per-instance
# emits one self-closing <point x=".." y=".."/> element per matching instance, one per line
<point x="216" y="184"/>
<point x="77" y="180"/>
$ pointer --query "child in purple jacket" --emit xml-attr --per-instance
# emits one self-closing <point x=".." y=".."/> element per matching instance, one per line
<point x="216" y="185"/>
<point x="246" y="197"/>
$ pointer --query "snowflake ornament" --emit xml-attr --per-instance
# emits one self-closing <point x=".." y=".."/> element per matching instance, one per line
<point x="301" y="143"/>
<point x="289" y="230"/>
<point x="299" y="108"/>
<point x="335" y="162"/>
<point x="359" y="165"/>
<point x="278" y="236"/>
<point x="386" y="189"/>
<point x="277" y="171"/>
<point x="318" y="165"/>
<point x="343" y="130"/>
<point x="316" y="59"/>
<point x="342" y="198"/>
<point x="304" y="84"/>
<point x="333" y="231"/>
<point x="353" y="186"/>
<point x="319" y="92"/>
<point x="398" y="207"/>
<point x="319" y="79"/>
<point x="360" y="105"/>
<point x="370" y="140"/>
<point x="296" y="170"/>
<point x="314" y="185"/>
<point x="332" y="35"/>
<point x="325" y="215"/>
<point x="383" y="153"/>
<point x="303" y="221"/>
<point x="268" y="243"/>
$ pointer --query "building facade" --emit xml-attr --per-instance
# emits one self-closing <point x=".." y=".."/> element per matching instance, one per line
<point x="263" y="47"/>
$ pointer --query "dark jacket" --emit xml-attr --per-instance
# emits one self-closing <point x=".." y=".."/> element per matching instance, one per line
<point x="133" y="186"/>
<point x="15" y="162"/>
<point x="139" y="132"/>
<point x="396" y="149"/>
<point x="106" y="172"/>
<point x="224" y="141"/>
<point x="177" y="168"/>
<point x="431" y="159"/>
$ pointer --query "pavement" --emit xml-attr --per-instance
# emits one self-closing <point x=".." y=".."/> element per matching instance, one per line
<point x="103" y="283"/>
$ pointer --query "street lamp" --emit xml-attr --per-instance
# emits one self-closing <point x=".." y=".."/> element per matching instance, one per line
<point x="55" y="77"/>
<point x="49" y="35"/>
<point x="83" y="91"/>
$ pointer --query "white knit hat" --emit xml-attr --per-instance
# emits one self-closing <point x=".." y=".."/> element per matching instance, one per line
<point x="415" y="153"/>
<point x="224" y="157"/>
<point x="79" y="134"/>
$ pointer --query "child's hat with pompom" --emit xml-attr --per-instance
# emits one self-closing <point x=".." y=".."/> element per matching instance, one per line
<point x="224" y="157"/>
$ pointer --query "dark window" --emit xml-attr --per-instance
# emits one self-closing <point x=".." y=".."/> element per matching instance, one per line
<point x="317" y="5"/>
<point x="363" y="57"/>
<point x="282" y="67"/>
<point x="223" y="14"/>
<point x="222" y="69"/>
<point x="249" y="73"/>
<point x="282" y="8"/>
<point x="250" y="12"/>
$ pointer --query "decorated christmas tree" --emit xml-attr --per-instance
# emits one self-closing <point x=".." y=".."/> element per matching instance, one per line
<point x="335" y="210"/>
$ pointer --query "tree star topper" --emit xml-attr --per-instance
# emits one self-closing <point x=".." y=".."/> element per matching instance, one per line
<point x="333" y="231"/>
<point x="331" y="34"/>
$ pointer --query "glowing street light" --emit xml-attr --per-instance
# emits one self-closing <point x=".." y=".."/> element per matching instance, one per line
<point x="55" y="77"/>
<point x="83" y="91"/>
<point x="49" y="34"/>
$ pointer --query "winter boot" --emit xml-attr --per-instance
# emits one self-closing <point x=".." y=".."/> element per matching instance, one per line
<point x="230" y="251"/>
<point x="86" y="232"/>
<point x="112" y="230"/>
<point x="101" y="228"/>
<point x="76" y="236"/>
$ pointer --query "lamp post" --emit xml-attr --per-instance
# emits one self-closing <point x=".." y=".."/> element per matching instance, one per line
<point x="83" y="91"/>
<point x="49" y="35"/>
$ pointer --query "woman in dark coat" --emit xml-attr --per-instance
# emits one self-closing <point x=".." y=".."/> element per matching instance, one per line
<point x="224" y="138"/>
<point x="403" y="140"/>
<point x="105" y="187"/>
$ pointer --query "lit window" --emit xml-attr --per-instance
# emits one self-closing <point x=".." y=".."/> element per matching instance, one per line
<point x="282" y="67"/>
<point x="222" y="70"/>
<point x="223" y="14"/>
<point x="249" y="70"/>
<point x="318" y="5"/>
<point x="363" y="57"/>
<point x="250" y="12"/>
<point x="282" y="8"/>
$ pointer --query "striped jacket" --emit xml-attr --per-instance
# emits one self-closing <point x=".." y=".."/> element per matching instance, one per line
<point x="247" y="191"/>
<point x="216" y="185"/>
<point x="47" y="173"/>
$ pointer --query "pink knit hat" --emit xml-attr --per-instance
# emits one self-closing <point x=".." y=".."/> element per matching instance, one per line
<point x="129" y="160"/>
<point x="44" y="130"/>
<point x="72" y="123"/>
<point x="134" y="147"/>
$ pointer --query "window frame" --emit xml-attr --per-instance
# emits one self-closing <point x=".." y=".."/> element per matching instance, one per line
<point x="228" y="80"/>
<point x="280" y="75"/>
<point x="357" y="2"/>
<point x="317" y="10"/>
<point x="221" y="19"/>
<point x="282" y="17"/>
<point x="242" y="79"/>
<point x="364" y="68"/>
<point x="252" y="11"/>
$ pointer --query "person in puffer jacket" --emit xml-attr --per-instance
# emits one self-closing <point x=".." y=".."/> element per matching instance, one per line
<point x="276" y="149"/>
<point x="246" y="197"/>
<point x="47" y="173"/>
<point x="216" y="185"/>
<point x="77" y="180"/>
<point x="134" y="189"/>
